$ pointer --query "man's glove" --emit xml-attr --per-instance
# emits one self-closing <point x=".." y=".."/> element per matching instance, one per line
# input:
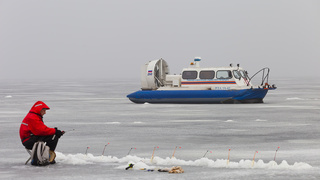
<point x="59" y="133"/>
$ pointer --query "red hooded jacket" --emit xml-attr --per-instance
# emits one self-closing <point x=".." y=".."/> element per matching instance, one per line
<point x="33" y="124"/>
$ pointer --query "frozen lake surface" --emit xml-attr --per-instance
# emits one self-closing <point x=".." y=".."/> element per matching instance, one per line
<point x="100" y="113"/>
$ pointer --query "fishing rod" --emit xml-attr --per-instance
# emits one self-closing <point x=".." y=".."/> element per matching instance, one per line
<point x="87" y="150"/>
<point x="275" y="154"/>
<point x="174" y="152"/>
<point x="153" y="153"/>
<point x="104" y="148"/>
<point x="69" y="130"/>
<point x="63" y="132"/>
<point x="254" y="156"/>
<point x="206" y="153"/>
<point x="228" y="157"/>
<point x="130" y="150"/>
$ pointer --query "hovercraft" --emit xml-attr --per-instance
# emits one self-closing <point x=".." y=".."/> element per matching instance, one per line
<point x="199" y="85"/>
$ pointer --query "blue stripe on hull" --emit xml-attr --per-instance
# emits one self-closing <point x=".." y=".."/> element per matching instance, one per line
<point x="199" y="96"/>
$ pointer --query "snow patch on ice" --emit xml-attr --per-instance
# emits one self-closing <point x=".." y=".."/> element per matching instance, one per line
<point x="137" y="122"/>
<point x="140" y="163"/>
<point x="237" y="130"/>
<point x="75" y="159"/>
<point x="261" y="120"/>
<point x="229" y="120"/>
<point x="192" y="120"/>
<point x="9" y="96"/>
<point x="112" y="123"/>
<point x="294" y="98"/>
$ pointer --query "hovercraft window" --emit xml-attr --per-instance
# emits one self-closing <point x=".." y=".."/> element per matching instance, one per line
<point x="225" y="74"/>
<point x="189" y="75"/>
<point x="244" y="74"/>
<point x="236" y="74"/>
<point x="206" y="74"/>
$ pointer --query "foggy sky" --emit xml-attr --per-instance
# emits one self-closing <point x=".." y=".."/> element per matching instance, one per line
<point x="102" y="39"/>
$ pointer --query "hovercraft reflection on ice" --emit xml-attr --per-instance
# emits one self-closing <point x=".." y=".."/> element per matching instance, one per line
<point x="199" y="85"/>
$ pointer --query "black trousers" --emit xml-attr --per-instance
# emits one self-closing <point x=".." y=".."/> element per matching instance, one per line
<point x="51" y="141"/>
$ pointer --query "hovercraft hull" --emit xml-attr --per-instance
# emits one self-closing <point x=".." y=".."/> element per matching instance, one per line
<point x="199" y="96"/>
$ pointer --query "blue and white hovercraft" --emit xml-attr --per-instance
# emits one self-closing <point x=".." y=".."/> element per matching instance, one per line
<point x="199" y="85"/>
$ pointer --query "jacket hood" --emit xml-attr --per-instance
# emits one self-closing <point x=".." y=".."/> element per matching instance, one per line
<point x="38" y="106"/>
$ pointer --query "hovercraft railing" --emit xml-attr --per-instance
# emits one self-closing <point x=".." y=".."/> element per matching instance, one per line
<point x="265" y="76"/>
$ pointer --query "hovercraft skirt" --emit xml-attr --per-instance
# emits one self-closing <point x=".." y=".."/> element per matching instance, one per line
<point x="199" y="96"/>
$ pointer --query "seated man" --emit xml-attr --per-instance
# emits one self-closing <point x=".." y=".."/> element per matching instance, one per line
<point x="33" y="129"/>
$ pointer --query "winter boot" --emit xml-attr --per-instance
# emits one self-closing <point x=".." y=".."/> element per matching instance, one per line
<point x="52" y="156"/>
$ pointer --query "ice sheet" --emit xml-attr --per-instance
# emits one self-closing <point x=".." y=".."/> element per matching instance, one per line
<point x="100" y="113"/>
